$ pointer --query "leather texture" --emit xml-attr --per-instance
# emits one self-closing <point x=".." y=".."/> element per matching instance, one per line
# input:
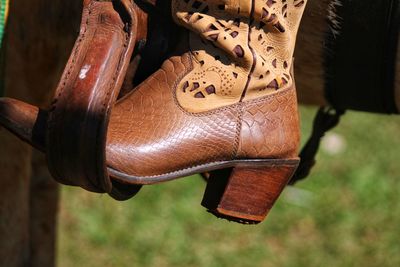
<point x="151" y="135"/>
<point x="90" y="84"/>
<point x="240" y="49"/>
<point x="270" y="126"/>
<point x="273" y="33"/>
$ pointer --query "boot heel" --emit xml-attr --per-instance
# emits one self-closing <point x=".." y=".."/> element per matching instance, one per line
<point x="248" y="191"/>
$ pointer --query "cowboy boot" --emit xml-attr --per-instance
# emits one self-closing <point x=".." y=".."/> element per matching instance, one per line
<point x="224" y="101"/>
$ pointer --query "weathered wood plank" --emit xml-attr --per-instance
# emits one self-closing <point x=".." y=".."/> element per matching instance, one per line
<point x="40" y="37"/>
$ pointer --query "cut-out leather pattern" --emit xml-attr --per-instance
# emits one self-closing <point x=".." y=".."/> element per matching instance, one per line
<point x="221" y="57"/>
<point x="239" y="51"/>
<point x="273" y="38"/>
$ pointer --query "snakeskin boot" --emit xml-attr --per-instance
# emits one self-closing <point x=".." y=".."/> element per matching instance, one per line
<point x="224" y="102"/>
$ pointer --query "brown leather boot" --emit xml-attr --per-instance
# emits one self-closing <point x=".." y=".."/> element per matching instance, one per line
<point x="225" y="103"/>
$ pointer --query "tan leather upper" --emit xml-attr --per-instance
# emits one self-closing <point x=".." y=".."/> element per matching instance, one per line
<point x="240" y="49"/>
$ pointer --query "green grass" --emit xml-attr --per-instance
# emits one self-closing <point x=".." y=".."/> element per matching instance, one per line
<point x="347" y="213"/>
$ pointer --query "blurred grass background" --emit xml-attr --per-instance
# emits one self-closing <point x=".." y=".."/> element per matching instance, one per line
<point x="347" y="213"/>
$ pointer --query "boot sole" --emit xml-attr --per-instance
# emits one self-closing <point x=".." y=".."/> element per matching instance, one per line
<point x="242" y="191"/>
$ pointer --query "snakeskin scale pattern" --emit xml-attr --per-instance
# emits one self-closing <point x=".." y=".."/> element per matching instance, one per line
<point x="150" y="134"/>
<point x="270" y="127"/>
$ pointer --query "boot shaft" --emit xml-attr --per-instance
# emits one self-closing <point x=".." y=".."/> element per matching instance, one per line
<point x="240" y="50"/>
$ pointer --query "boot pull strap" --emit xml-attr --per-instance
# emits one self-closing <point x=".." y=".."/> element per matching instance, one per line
<point x="326" y="119"/>
<point x="80" y="111"/>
